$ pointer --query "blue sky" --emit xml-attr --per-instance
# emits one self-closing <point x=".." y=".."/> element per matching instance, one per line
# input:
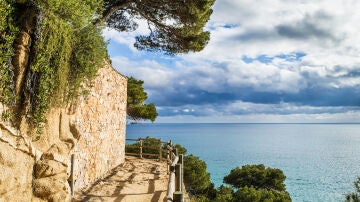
<point x="267" y="61"/>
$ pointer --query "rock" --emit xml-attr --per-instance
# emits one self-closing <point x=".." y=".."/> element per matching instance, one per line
<point x="49" y="187"/>
<point x="47" y="168"/>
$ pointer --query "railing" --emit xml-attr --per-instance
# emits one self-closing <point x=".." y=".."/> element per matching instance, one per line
<point x="152" y="151"/>
<point x="175" y="186"/>
<point x="174" y="160"/>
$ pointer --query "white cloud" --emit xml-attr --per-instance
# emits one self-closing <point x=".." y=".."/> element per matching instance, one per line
<point x="325" y="31"/>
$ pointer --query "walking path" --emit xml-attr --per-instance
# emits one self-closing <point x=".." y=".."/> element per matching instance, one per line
<point x="137" y="180"/>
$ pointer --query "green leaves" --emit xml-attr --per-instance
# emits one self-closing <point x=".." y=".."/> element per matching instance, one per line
<point x="68" y="52"/>
<point x="256" y="183"/>
<point x="256" y="176"/>
<point x="355" y="196"/>
<point x="196" y="178"/>
<point x="176" y="26"/>
<point x="8" y="32"/>
<point x="250" y="194"/>
<point x="136" y="96"/>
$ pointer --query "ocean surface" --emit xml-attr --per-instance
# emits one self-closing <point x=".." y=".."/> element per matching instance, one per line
<point x="320" y="161"/>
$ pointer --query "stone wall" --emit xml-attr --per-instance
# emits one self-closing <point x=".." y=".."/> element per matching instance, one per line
<point x="102" y="128"/>
<point x="38" y="169"/>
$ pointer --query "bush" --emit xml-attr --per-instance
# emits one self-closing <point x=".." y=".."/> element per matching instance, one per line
<point x="196" y="178"/>
<point x="250" y="194"/>
<point x="355" y="196"/>
<point x="68" y="51"/>
<point x="9" y="29"/>
<point x="256" y="176"/>
<point x="224" y="194"/>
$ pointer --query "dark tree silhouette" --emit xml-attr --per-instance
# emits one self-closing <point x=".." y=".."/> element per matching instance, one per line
<point x="176" y="26"/>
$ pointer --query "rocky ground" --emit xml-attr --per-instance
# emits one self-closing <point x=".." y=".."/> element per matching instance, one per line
<point x="136" y="180"/>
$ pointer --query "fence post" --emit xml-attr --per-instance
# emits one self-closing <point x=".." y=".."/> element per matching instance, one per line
<point x="171" y="148"/>
<point x="178" y="196"/>
<point x="178" y="179"/>
<point x="72" y="174"/>
<point x="181" y="161"/>
<point x="160" y="150"/>
<point x="141" y="147"/>
<point x="168" y="156"/>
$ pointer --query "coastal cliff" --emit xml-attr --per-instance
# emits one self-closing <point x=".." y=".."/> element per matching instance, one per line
<point x="93" y="130"/>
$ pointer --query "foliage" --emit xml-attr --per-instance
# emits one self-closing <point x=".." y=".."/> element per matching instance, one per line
<point x="175" y="26"/>
<point x="68" y="51"/>
<point x="355" y="196"/>
<point x="87" y="58"/>
<point x="257" y="183"/>
<point x="224" y="194"/>
<point x="256" y="176"/>
<point x="8" y="32"/>
<point x="50" y="67"/>
<point x="136" y="96"/>
<point x="196" y="178"/>
<point x="250" y="194"/>
<point x="181" y="149"/>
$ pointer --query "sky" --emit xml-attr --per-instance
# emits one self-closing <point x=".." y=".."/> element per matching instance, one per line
<point x="267" y="61"/>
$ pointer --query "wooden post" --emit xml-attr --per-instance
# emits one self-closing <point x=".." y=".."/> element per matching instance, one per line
<point x="176" y="152"/>
<point x="160" y="150"/>
<point x="178" y="196"/>
<point x="72" y="174"/>
<point x="178" y="180"/>
<point x="141" y="147"/>
<point x="171" y="147"/>
<point x="168" y="158"/>
<point x="181" y="159"/>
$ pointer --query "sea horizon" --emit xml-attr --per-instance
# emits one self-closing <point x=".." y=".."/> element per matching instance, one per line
<point x="320" y="160"/>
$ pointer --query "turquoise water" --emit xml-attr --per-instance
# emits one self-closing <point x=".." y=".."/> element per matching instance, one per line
<point x="320" y="161"/>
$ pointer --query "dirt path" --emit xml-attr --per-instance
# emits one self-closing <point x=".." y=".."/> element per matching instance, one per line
<point x="137" y="180"/>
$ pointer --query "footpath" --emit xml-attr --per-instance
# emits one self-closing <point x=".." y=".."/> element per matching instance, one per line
<point x="136" y="180"/>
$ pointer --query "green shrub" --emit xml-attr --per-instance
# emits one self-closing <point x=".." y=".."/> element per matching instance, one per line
<point x="8" y="32"/>
<point x="68" y="52"/>
<point x="355" y="196"/>
<point x="250" y="194"/>
<point x="256" y="176"/>
<point x="196" y="178"/>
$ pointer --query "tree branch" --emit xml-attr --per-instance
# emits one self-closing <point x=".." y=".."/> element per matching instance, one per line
<point x="109" y="11"/>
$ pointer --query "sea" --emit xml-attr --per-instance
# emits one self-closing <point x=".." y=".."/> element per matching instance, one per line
<point x="320" y="161"/>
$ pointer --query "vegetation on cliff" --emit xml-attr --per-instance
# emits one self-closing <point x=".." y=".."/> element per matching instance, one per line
<point x="67" y="47"/>
<point x="66" y="52"/>
<point x="8" y="32"/>
<point x="354" y="196"/>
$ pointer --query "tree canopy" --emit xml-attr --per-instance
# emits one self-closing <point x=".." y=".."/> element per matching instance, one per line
<point x="136" y="96"/>
<point x="354" y="196"/>
<point x="176" y="26"/>
<point x="257" y="176"/>
<point x="257" y="183"/>
<point x="196" y="178"/>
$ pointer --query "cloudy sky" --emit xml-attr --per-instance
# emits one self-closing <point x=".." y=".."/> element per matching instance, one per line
<point x="267" y="61"/>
